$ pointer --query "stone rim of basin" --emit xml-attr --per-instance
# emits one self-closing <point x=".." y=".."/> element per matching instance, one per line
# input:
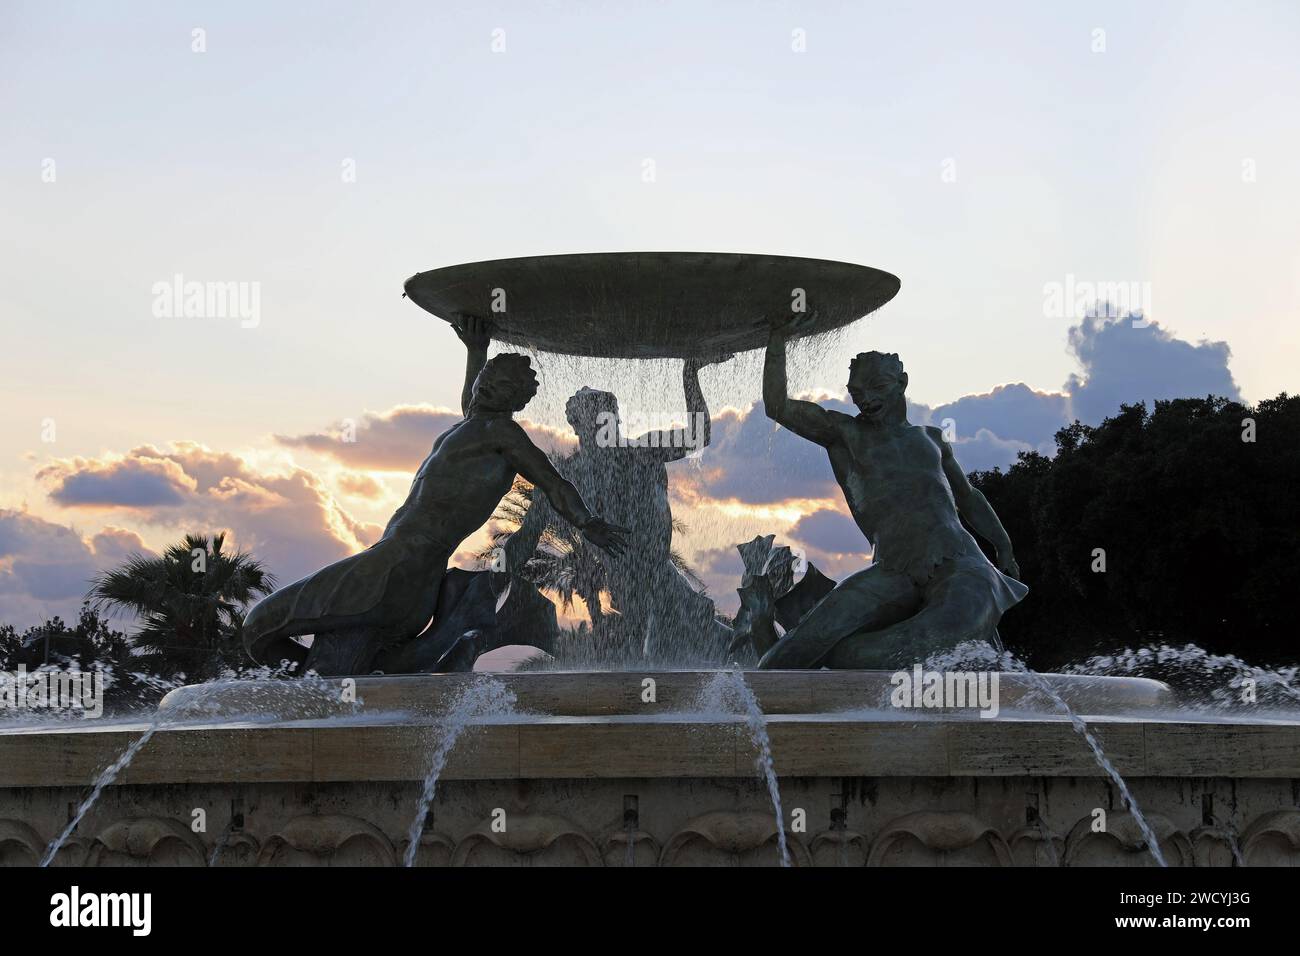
<point x="623" y="694"/>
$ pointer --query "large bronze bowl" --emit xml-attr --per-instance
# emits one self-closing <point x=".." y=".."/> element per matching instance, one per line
<point x="650" y="304"/>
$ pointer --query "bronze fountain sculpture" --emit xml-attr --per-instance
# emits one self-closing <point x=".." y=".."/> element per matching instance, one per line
<point x="563" y="751"/>
<point x="396" y="608"/>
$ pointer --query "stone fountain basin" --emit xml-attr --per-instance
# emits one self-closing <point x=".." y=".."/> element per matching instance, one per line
<point x="649" y="694"/>
<point x="312" y="779"/>
<point x="597" y="726"/>
<point x="316" y="781"/>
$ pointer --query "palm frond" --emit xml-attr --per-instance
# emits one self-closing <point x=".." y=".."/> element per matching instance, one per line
<point x="190" y="600"/>
<point x="682" y="565"/>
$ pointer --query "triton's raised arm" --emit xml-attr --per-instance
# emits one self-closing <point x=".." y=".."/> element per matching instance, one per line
<point x="676" y="443"/>
<point x="476" y="333"/>
<point x="806" y="419"/>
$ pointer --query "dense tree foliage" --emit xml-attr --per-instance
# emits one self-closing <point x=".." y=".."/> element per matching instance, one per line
<point x="89" y="644"/>
<point x="1191" y="508"/>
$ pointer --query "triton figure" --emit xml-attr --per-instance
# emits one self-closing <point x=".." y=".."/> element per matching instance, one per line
<point x="366" y="610"/>
<point x="659" y="613"/>
<point x="929" y="586"/>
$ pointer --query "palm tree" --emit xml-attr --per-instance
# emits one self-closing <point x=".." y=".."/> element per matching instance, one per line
<point x="562" y="562"/>
<point x="191" y="601"/>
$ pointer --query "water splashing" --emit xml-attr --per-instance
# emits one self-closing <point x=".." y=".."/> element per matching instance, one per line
<point x="221" y="844"/>
<point x="486" y="697"/>
<point x="199" y="705"/>
<point x="1048" y="842"/>
<point x="105" y="779"/>
<point x="727" y="690"/>
<point x="1081" y="728"/>
<point x="631" y="846"/>
<point x="1234" y="846"/>
<point x="1200" y="672"/>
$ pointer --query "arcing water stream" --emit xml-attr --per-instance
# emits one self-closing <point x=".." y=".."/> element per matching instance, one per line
<point x="107" y="777"/>
<point x="485" y="697"/>
<point x="986" y="656"/>
<point x="1081" y="728"/>
<point x="726" y="691"/>
<point x="197" y="707"/>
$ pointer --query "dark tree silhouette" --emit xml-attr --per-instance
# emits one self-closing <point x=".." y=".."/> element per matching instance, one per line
<point x="1199" y="529"/>
<point x="88" y="644"/>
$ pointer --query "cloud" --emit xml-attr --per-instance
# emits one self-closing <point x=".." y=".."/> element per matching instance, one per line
<point x="115" y="545"/>
<point x="752" y="460"/>
<point x="42" y="560"/>
<point x="832" y="541"/>
<point x="720" y="570"/>
<point x="288" y="520"/>
<point x="133" y="482"/>
<point x="1016" y="411"/>
<point x="985" y="451"/>
<point x="1125" y="364"/>
<point x="830" y="531"/>
<point x="360" y="485"/>
<point x="400" y="438"/>
<point x="1120" y="364"/>
<point x="46" y="568"/>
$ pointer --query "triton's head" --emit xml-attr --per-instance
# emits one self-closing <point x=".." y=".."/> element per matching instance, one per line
<point x="589" y="409"/>
<point x="876" y="385"/>
<point x="506" y="383"/>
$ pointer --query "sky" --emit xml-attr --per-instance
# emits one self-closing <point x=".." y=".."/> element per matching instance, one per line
<point x="996" y="157"/>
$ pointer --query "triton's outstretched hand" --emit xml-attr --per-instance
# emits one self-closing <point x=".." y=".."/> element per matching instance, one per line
<point x="473" y="330"/>
<point x="786" y="324"/>
<point x="606" y="536"/>
<point x="695" y="364"/>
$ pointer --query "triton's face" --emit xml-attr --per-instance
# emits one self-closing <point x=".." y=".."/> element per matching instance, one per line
<point x="874" y="391"/>
<point x="507" y="386"/>
<point x="522" y="389"/>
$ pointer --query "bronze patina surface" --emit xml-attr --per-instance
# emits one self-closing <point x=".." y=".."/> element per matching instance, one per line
<point x="650" y="304"/>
